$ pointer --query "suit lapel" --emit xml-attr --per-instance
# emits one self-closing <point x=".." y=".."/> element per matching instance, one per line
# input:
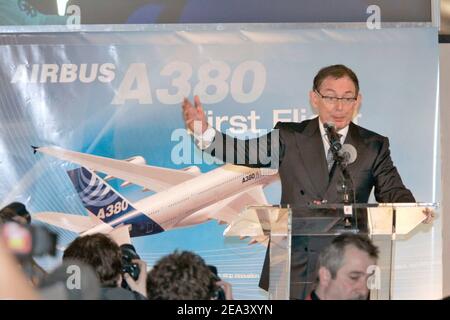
<point x="310" y="146"/>
<point x="355" y="139"/>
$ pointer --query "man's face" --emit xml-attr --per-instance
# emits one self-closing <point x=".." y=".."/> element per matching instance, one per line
<point x="339" y="112"/>
<point x="350" y="282"/>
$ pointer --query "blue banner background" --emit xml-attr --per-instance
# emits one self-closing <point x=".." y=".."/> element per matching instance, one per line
<point x="397" y="69"/>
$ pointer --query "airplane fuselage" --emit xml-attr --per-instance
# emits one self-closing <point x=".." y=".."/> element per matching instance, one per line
<point x="184" y="204"/>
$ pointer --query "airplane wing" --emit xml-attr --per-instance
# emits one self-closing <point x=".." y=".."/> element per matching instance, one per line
<point x="72" y="222"/>
<point x="149" y="177"/>
<point x="228" y="209"/>
<point x="121" y="235"/>
<point x="254" y="196"/>
<point x="79" y="224"/>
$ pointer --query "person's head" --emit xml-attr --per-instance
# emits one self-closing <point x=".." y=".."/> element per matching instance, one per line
<point x="335" y="95"/>
<point x="16" y="212"/>
<point x="344" y="266"/>
<point x="100" y="252"/>
<point x="6" y="216"/>
<point x="181" y="276"/>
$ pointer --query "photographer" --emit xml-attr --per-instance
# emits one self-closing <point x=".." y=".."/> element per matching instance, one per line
<point x="13" y="283"/>
<point x="17" y="212"/>
<point x="105" y="256"/>
<point x="185" y="276"/>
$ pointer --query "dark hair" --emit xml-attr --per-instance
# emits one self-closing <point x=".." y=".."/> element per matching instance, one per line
<point x="6" y="215"/>
<point x="100" y="252"/>
<point x="16" y="209"/>
<point x="336" y="71"/>
<point x="332" y="256"/>
<point x="181" y="276"/>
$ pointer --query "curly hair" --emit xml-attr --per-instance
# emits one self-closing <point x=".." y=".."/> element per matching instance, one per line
<point x="181" y="276"/>
<point x="100" y="252"/>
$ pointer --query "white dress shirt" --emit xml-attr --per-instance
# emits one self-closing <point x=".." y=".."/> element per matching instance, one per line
<point x="326" y="143"/>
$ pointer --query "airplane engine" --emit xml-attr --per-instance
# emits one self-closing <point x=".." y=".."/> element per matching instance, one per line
<point x="192" y="169"/>
<point x="136" y="160"/>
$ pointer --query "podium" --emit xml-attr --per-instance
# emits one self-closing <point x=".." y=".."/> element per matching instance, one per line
<point x="286" y="227"/>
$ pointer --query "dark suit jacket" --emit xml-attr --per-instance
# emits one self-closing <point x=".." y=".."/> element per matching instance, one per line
<point x="302" y="165"/>
<point x="301" y="162"/>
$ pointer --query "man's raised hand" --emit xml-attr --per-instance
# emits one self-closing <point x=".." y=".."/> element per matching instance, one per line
<point x="194" y="116"/>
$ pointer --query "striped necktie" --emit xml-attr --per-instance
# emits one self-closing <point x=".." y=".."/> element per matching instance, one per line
<point x="330" y="158"/>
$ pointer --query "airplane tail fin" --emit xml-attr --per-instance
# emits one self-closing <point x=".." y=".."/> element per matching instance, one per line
<point x="107" y="205"/>
<point x="98" y="197"/>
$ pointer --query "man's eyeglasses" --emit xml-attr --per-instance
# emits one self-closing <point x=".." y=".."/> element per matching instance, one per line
<point x="335" y="100"/>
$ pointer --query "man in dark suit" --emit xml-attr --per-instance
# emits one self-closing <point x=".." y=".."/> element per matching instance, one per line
<point x="301" y="154"/>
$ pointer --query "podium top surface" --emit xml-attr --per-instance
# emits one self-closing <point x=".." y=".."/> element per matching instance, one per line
<point x="374" y="218"/>
<point x="353" y="205"/>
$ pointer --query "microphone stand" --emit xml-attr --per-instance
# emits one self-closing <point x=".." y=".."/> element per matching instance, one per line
<point x="346" y="186"/>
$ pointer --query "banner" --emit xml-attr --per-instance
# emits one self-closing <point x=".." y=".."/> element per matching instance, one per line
<point x="118" y="94"/>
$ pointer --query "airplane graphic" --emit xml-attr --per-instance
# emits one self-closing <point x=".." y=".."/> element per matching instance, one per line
<point x="183" y="197"/>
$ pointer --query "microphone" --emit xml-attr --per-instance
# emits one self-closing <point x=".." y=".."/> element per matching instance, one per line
<point x="333" y="137"/>
<point x="348" y="154"/>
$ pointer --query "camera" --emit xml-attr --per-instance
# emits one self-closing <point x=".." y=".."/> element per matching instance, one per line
<point x="26" y="241"/>
<point x="219" y="294"/>
<point x="128" y="255"/>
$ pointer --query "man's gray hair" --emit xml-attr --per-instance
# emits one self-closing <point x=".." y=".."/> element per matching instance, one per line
<point x="332" y="257"/>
